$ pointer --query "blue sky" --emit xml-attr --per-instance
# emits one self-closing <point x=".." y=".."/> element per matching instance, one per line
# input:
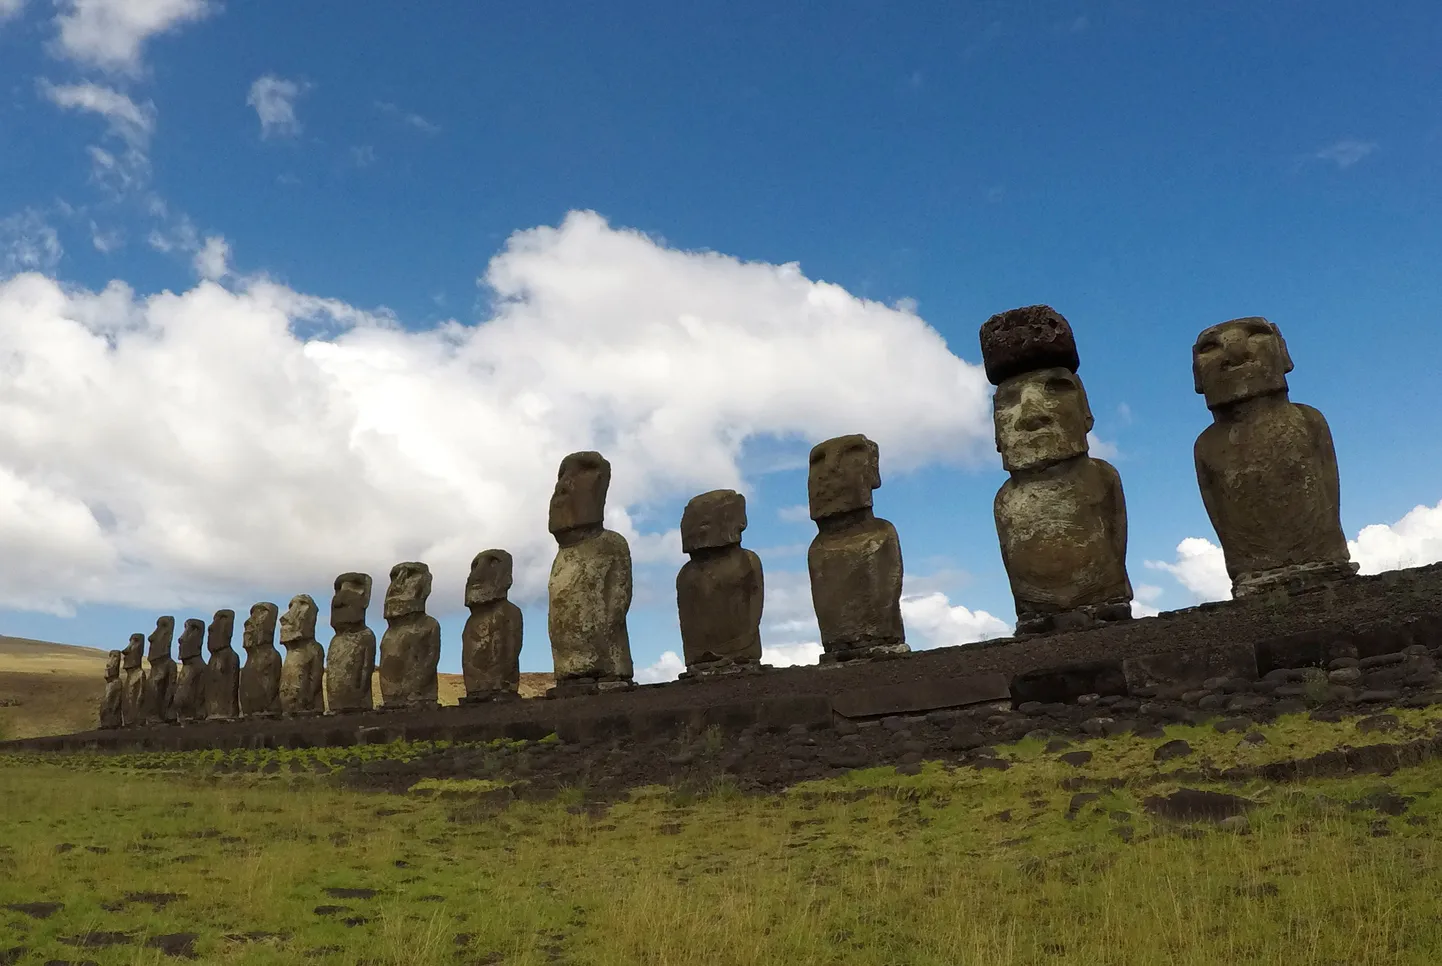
<point x="1145" y="169"/>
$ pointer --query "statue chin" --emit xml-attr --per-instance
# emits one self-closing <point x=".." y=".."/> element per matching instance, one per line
<point x="1039" y="450"/>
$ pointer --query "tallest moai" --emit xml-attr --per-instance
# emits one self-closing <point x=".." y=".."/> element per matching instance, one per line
<point x="1061" y="517"/>
<point x="1266" y="466"/>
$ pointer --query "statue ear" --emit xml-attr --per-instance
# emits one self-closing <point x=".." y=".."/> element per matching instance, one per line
<point x="874" y="461"/>
<point x="1196" y="372"/>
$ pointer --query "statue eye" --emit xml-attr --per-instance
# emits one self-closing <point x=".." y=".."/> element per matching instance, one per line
<point x="1059" y="385"/>
<point x="818" y="457"/>
<point x="1209" y="345"/>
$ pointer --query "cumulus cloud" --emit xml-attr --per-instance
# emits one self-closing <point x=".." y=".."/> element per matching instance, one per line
<point x="191" y="448"/>
<point x="126" y="167"/>
<point x="1144" y="600"/>
<point x="790" y="655"/>
<point x="1346" y="153"/>
<point x="274" y="101"/>
<point x="111" y="34"/>
<point x="10" y="9"/>
<point x="932" y="620"/>
<point x="1413" y="541"/>
<point x="212" y="262"/>
<point x="668" y="667"/>
<point x="28" y="243"/>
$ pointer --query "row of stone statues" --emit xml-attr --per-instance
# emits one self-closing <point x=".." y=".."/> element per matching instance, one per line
<point x="1266" y="469"/>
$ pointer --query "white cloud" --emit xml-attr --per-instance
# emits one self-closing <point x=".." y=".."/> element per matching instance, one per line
<point x="1200" y="568"/>
<point x="796" y="513"/>
<point x="130" y="123"/>
<point x="212" y="262"/>
<point x="1144" y="600"/>
<point x="28" y="243"/>
<point x="932" y="620"/>
<point x="789" y="655"/>
<point x="1413" y="541"/>
<point x="197" y="447"/>
<point x="667" y="668"/>
<point x="1346" y="153"/>
<point x="110" y="34"/>
<point x="10" y="9"/>
<point x="407" y="118"/>
<point x="106" y="240"/>
<point x="1100" y="448"/>
<point x="274" y="101"/>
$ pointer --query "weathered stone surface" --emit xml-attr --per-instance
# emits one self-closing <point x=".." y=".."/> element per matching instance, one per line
<point x="411" y="646"/>
<point x="351" y="660"/>
<point x="133" y="706"/>
<point x="111" y="715"/>
<point x="189" y="699"/>
<point x="260" y="677"/>
<point x="491" y="639"/>
<point x="161" y="675"/>
<point x="1024" y="339"/>
<point x="302" y="674"/>
<point x="590" y="584"/>
<point x="1191" y="668"/>
<point x="855" y="559"/>
<point x="1266" y="466"/>
<point x="222" y="672"/>
<point x="922" y="695"/>
<point x="720" y="591"/>
<point x="1061" y="517"/>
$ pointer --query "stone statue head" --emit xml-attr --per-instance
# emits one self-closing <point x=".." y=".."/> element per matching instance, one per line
<point x="134" y="652"/>
<point x="410" y="586"/>
<point x="260" y="626"/>
<point x="490" y="577"/>
<point x="351" y="598"/>
<point x="843" y="473"/>
<point x="161" y="638"/>
<point x="222" y="628"/>
<point x="1238" y="360"/>
<point x="1020" y="340"/>
<point x="192" y="636"/>
<point x="112" y="665"/>
<point x="1041" y="418"/>
<point x="298" y="622"/>
<point x="714" y="519"/>
<point x="579" y="499"/>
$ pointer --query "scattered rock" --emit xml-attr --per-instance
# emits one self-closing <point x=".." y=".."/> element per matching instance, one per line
<point x="98" y="939"/>
<point x="1237" y="824"/>
<point x="1057" y="744"/>
<point x="1176" y="748"/>
<point x="1383" y="800"/>
<point x="180" y="944"/>
<point x="1232" y="724"/>
<point x="1079" y="801"/>
<point x="1194" y="804"/>
<point x="36" y="910"/>
<point x="1378" y="722"/>
<point x="1076" y="758"/>
<point x="1254" y="738"/>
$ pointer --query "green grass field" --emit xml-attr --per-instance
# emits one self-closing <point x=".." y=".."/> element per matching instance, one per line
<point x="947" y="867"/>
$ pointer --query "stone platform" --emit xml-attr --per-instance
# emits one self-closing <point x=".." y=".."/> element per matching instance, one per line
<point x="1174" y="654"/>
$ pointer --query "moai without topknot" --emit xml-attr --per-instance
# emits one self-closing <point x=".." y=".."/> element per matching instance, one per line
<point x="260" y="677"/>
<point x="590" y="585"/>
<point x="719" y="591"/>
<point x="133" y="704"/>
<point x="1266" y="466"/>
<point x="189" y="699"/>
<point x="302" y="673"/>
<point x="222" y="673"/>
<point x="1061" y="517"/>
<point x="855" y="558"/>
<point x="411" y="645"/>
<point x="111" y="705"/>
<point x="161" y="676"/>
<point x="491" y="639"/>
<point x="351" y="660"/>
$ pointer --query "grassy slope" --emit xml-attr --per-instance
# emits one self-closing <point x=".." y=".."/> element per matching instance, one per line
<point x="53" y="689"/>
<point x="945" y="867"/>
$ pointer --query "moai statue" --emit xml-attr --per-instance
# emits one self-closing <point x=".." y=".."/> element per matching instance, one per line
<point x="189" y="700"/>
<point x="1266" y="466"/>
<point x="351" y="660"/>
<point x="855" y="559"/>
<point x="134" y="708"/>
<point x="111" y="715"/>
<point x="491" y="639"/>
<point x="1061" y="517"/>
<point x="719" y="591"/>
<point x="590" y="585"/>
<point x="222" y="674"/>
<point x="411" y="645"/>
<point x="260" y="677"/>
<point x="161" y="675"/>
<point x="302" y="676"/>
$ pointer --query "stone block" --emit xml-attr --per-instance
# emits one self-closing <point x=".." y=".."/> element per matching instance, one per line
<point x="922" y="695"/>
<point x="1069" y="682"/>
<point x="1194" y="669"/>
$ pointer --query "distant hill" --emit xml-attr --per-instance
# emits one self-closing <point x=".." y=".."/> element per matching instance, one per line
<point x="51" y="689"/>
